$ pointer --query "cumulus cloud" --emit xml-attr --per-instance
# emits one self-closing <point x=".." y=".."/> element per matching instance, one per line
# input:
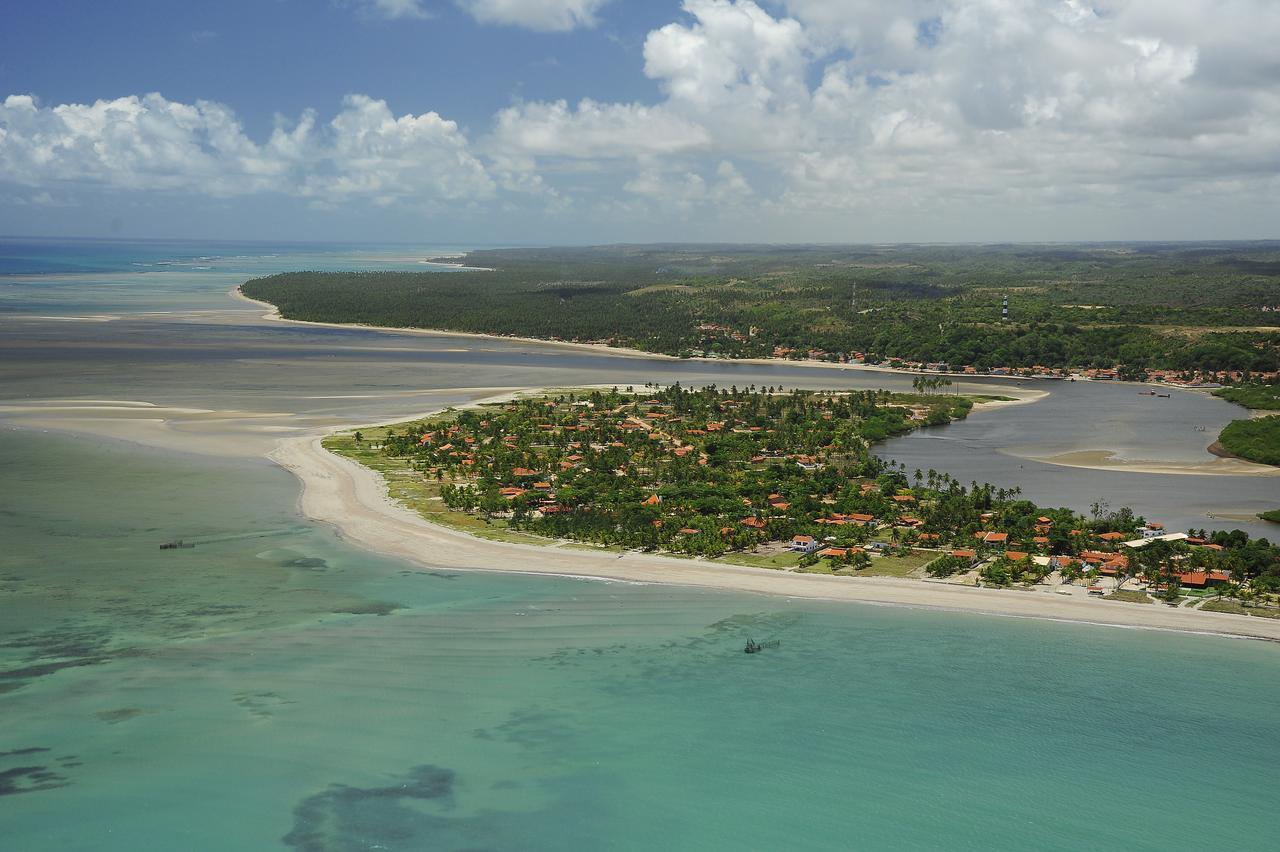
<point x="859" y="103"/>
<point x="854" y="107"/>
<point x="592" y="130"/>
<point x="539" y="15"/>
<point x="151" y="143"/>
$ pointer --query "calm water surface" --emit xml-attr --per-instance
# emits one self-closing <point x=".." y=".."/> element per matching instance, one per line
<point x="274" y="688"/>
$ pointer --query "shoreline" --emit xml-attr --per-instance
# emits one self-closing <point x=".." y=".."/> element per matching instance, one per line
<point x="272" y="314"/>
<point x="1098" y="460"/>
<point x="354" y="501"/>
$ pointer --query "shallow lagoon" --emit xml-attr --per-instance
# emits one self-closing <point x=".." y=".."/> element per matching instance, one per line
<point x="274" y="688"/>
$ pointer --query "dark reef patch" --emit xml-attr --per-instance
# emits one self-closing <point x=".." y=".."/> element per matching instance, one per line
<point x="29" y="779"/>
<point x="261" y="705"/>
<point x="312" y="562"/>
<point x="369" y="608"/>
<point x="345" y="817"/>
<point x="23" y="752"/>
<point x="122" y="714"/>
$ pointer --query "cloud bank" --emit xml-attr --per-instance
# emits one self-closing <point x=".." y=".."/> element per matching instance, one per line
<point x="845" y="111"/>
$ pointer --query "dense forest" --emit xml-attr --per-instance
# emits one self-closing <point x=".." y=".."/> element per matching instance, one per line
<point x="1142" y="307"/>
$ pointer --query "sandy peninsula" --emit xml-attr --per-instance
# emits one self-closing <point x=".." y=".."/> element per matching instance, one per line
<point x="354" y="499"/>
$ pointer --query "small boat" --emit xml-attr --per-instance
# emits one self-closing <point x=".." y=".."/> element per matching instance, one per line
<point x="1163" y="395"/>
<point x="754" y="647"/>
<point x="177" y="545"/>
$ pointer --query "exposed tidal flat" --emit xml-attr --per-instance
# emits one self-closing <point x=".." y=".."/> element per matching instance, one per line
<point x="276" y="687"/>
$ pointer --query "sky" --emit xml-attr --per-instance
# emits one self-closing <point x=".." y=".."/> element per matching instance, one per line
<point x="594" y="121"/>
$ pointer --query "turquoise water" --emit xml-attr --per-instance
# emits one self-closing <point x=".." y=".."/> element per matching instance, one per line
<point x="274" y="688"/>
<point x="230" y="697"/>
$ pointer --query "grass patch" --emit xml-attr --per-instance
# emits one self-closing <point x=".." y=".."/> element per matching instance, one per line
<point x="776" y="561"/>
<point x="598" y="548"/>
<point x="1129" y="596"/>
<point x="1237" y="608"/>
<point x="1273" y="516"/>
<point x="897" y="566"/>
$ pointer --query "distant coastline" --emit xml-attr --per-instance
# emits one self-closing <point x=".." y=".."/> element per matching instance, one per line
<point x="1093" y="460"/>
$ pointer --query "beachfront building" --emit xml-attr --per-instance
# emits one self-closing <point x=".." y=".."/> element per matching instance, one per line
<point x="804" y="544"/>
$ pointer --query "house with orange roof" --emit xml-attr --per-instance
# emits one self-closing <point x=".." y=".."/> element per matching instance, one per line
<point x="1204" y="579"/>
<point x="992" y="539"/>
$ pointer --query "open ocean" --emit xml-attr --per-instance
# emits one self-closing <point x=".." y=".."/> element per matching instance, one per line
<point x="274" y="688"/>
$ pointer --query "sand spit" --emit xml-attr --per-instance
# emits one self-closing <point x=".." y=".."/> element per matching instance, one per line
<point x="354" y="499"/>
<point x="1106" y="460"/>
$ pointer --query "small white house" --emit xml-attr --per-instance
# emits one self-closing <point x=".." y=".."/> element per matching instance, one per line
<point x="804" y="544"/>
<point x="1153" y="530"/>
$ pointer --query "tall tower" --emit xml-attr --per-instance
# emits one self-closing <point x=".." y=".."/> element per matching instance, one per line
<point x="1004" y="310"/>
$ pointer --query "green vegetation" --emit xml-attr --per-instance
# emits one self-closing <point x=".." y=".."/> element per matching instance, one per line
<point x="1273" y="516"/>
<point x="778" y="480"/>
<point x="1142" y="307"/>
<point x="697" y="472"/>
<point x="1129" y="596"/>
<point x="1260" y="397"/>
<point x="1257" y="439"/>
<point x="422" y="495"/>
<point x="1237" y="608"/>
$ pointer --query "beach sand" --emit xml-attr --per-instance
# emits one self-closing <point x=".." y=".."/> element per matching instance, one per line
<point x="1106" y="460"/>
<point x="354" y="500"/>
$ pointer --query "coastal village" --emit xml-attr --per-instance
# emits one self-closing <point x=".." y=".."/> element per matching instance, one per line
<point x="1191" y="379"/>
<point x="788" y="481"/>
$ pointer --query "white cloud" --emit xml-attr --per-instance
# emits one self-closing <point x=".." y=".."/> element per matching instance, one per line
<point x="539" y="15"/>
<point x="594" y="131"/>
<point x="394" y="9"/>
<point x="1020" y="101"/>
<point x="838" y="111"/>
<point x="151" y="143"/>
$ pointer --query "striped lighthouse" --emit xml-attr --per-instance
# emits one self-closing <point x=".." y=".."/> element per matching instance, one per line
<point x="1004" y="310"/>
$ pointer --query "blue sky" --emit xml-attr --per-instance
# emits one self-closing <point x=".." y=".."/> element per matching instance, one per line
<point x="573" y="121"/>
<point x="271" y="56"/>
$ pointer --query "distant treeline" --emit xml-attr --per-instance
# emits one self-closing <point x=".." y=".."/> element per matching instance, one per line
<point x="1206" y="308"/>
